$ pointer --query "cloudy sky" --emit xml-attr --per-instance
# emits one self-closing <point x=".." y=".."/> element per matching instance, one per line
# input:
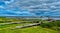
<point x="29" y="7"/>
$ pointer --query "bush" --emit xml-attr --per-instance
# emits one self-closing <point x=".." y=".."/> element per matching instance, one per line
<point x="56" y="23"/>
<point x="46" y="25"/>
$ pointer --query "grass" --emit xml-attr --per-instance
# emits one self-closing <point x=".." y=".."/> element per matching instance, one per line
<point x="35" y="29"/>
<point x="13" y="25"/>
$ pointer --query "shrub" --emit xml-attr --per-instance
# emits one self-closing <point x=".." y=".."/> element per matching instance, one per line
<point x="46" y="25"/>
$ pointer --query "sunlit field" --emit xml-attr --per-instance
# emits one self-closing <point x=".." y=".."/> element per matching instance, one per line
<point x="8" y="25"/>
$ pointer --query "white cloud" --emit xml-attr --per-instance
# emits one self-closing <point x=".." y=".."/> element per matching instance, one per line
<point x="34" y="5"/>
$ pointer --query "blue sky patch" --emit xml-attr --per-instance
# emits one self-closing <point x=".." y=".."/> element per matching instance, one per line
<point x="30" y="8"/>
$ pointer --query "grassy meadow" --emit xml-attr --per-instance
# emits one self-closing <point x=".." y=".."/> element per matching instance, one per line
<point x="45" y="27"/>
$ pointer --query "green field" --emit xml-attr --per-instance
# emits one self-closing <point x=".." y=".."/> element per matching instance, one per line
<point x="35" y="29"/>
<point x="46" y="27"/>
